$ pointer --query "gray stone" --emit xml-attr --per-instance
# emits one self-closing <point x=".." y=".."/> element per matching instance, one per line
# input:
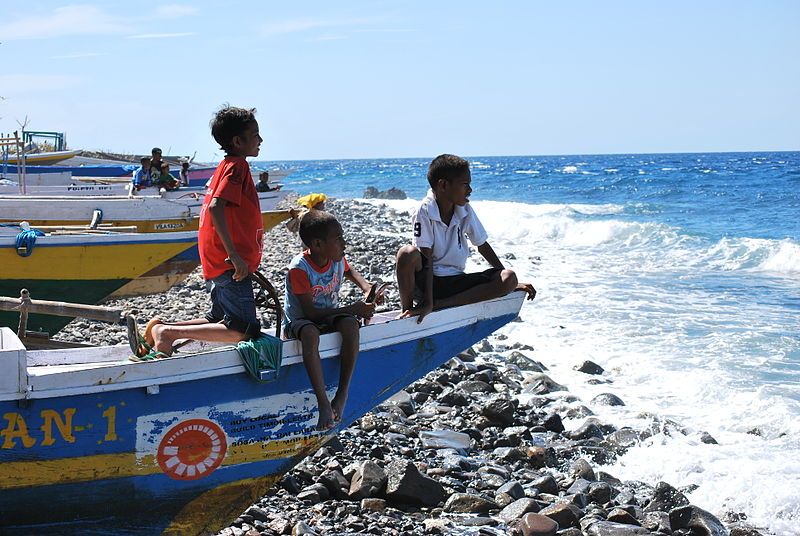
<point x="553" y="423"/>
<point x="517" y="509"/>
<point x="698" y="520"/>
<point x="580" y="468"/>
<point x="257" y="513"/>
<point x="579" y="486"/>
<point x="609" y="528"/>
<point x="587" y="431"/>
<point x="541" y="384"/>
<point x="475" y="386"/>
<point x="513" y="488"/>
<point x="607" y="399"/>
<point x="335" y="482"/>
<point x="369" y="480"/>
<point x="665" y="498"/>
<point x="657" y="522"/>
<point x="589" y="367"/>
<point x="309" y="495"/>
<point x="373" y="505"/>
<point x="302" y="528"/>
<point x="467" y="503"/>
<point x="619" y="515"/>
<point x="499" y="410"/>
<point x="538" y="525"/>
<point x="708" y="439"/>
<point x="546" y="484"/>
<point x="566" y="515"/>
<point x="439" y="439"/>
<point x="600" y="492"/>
<point x="524" y="362"/>
<point x="405" y="484"/>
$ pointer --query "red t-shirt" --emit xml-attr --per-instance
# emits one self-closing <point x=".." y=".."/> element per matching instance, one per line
<point x="232" y="182"/>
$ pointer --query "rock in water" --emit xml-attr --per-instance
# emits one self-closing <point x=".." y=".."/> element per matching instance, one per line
<point x="589" y="367"/>
<point x="696" y="519"/>
<point x="607" y="399"/>
<point x="665" y="499"/>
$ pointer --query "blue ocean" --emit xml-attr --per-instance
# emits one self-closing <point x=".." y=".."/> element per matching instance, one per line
<point x="679" y="274"/>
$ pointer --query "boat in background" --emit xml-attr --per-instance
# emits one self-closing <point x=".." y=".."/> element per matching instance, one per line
<point x="80" y="266"/>
<point x="45" y="158"/>
<point x="183" y="445"/>
<point x="147" y="213"/>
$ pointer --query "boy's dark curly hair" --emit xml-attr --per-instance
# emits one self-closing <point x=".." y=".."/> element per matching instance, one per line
<point x="447" y="167"/>
<point x="230" y="121"/>
<point x="316" y="224"/>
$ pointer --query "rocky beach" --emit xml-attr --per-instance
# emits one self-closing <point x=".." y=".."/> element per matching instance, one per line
<point x="483" y="445"/>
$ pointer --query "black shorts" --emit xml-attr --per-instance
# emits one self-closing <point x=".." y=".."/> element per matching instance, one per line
<point x="450" y="285"/>
<point x="327" y="325"/>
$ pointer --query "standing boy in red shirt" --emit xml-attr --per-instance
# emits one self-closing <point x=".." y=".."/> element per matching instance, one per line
<point x="230" y="241"/>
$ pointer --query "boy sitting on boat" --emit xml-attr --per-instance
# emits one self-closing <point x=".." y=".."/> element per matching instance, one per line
<point x="230" y="241"/>
<point x="312" y="307"/>
<point x="142" y="177"/>
<point x="431" y="268"/>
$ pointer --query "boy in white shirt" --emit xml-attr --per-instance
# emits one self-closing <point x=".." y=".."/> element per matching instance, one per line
<point x="432" y="267"/>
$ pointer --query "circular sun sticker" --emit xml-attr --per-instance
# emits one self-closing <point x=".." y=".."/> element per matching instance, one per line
<point x="192" y="449"/>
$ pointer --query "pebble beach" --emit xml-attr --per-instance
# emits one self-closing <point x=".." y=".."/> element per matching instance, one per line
<point x="483" y="445"/>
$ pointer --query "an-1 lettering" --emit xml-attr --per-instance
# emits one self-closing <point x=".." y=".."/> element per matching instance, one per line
<point x="417" y="229"/>
<point x="111" y="423"/>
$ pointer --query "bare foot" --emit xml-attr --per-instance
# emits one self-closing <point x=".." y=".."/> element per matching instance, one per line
<point x="337" y="404"/>
<point x="326" y="420"/>
<point x="159" y="342"/>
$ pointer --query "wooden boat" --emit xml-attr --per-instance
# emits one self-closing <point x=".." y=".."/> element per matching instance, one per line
<point x="147" y="213"/>
<point x="81" y="267"/>
<point x="43" y="158"/>
<point x="144" y="214"/>
<point x="120" y="187"/>
<point x="55" y="175"/>
<point x="92" y="443"/>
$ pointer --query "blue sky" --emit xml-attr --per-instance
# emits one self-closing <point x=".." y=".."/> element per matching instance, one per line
<point x="362" y="79"/>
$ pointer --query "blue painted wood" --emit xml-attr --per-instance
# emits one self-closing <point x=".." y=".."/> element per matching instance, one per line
<point x="249" y="413"/>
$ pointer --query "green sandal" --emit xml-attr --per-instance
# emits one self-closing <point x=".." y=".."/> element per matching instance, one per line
<point x="137" y="343"/>
<point x="152" y="355"/>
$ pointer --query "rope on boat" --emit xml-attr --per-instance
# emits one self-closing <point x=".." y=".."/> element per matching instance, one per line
<point x="262" y="354"/>
<point x="26" y="238"/>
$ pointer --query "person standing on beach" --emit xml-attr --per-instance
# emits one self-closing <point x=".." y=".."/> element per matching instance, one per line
<point x="230" y="242"/>
<point x="432" y="267"/>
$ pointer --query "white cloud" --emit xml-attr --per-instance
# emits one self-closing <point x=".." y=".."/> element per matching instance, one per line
<point x="161" y="35"/>
<point x="79" y="19"/>
<point x="171" y="11"/>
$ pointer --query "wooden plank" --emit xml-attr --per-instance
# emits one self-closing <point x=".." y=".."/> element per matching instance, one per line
<point x="93" y="312"/>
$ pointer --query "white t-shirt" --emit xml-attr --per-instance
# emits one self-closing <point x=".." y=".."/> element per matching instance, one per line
<point x="450" y="249"/>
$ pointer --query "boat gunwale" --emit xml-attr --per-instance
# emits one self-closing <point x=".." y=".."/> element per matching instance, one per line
<point x="40" y="381"/>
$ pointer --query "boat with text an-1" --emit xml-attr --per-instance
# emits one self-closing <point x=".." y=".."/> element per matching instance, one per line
<point x="95" y="443"/>
<point x="78" y="265"/>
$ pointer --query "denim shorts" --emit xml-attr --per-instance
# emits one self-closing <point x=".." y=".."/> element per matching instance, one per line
<point x="233" y="304"/>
